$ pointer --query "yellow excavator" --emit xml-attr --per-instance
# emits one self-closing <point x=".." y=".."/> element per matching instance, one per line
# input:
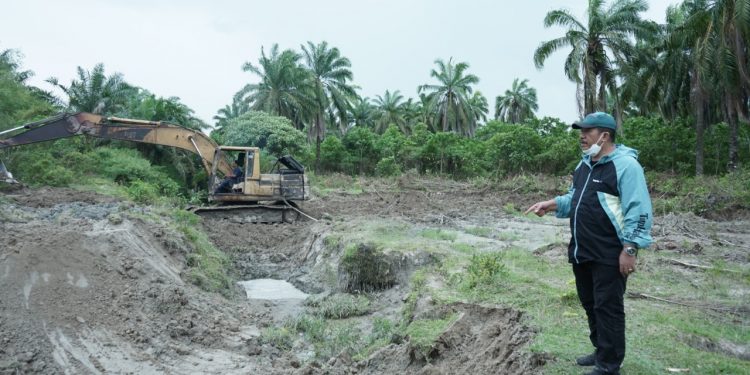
<point x="260" y="197"/>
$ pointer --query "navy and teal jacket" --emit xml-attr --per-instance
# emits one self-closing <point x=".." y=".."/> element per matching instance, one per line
<point x="608" y="206"/>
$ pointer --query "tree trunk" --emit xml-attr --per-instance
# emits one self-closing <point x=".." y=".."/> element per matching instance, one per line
<point x="733" y="136"/>
<point x="318" y="139"/>
<point x="602" y="100"/>
<point x="698" y="99"/>
<point x="700" y="126"/>
<point x="589" y="86"/>
<point x="740" y="51"/>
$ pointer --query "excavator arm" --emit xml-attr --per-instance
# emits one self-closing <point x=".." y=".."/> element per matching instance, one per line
<point x="154" y="132"/>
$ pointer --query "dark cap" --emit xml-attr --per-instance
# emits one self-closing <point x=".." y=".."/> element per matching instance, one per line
<point x="596" y="120"/>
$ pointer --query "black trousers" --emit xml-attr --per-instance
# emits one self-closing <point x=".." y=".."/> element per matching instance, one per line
<point x="601" y="289"/>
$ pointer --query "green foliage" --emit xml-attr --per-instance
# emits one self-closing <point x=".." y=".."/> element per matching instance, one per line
<point x="279" y="337"/>
<point x="147" y="106"/>
<point x="142" y="192"/>
<point x="702" y="195"/>
<point x="383" y="333"/>
<point x="484" y="270"/>
<point x="449" y="153"/>
<point x="332" y="153"/>
<point x="208" y="267"/>
<point x="498" y="149"/>
<point x="19" y="103"/>
<point x="362" y="152"/>
<point x="439" y="234"/>
<point x="366" y="268"/>
<point x="340" y="306"/>
<point x="514" y="149"/>
<point x="392" y="143"/>
<point x="329" y="338"/>
<point x="661" y="146"/>
<point x="145" y="183"/>
<point x="274" y="134"/>
<point x="94" y="91"/>
<point x="387" y="167"/>
<point x="480" y="231"/>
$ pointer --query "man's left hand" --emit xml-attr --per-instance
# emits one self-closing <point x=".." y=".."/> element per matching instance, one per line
<point x="627" y="264"/>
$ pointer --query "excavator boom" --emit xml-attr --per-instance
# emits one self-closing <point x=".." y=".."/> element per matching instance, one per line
<point x="88" y="124"/>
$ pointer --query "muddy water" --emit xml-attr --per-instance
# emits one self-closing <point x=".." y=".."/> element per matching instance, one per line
<point x="271" y="289"/>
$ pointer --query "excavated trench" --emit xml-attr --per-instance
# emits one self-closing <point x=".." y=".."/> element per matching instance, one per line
<point x="94" y="285"/>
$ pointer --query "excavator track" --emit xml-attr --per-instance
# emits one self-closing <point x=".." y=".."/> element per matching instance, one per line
<point x="251" y="214"/>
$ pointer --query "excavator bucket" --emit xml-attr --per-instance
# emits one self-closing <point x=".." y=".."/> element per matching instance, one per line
<point x="5" y="175"/>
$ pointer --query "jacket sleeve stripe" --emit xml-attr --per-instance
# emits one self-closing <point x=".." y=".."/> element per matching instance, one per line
<point x="613" y="208"/>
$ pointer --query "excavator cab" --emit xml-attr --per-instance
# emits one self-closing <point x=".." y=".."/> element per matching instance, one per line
<point x="286" y="182"/>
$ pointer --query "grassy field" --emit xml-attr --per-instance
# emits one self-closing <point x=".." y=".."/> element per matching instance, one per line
<point x="677" y="318"/>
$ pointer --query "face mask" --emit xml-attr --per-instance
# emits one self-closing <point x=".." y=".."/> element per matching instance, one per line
<point x="595" y="149"/>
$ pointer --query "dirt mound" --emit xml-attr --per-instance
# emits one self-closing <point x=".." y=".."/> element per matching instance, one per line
<point x="87" y="288"/>
<point x="49" y="197"/>
<point x="483" y="340"/>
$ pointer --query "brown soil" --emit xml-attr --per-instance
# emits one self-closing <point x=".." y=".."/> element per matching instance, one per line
<point x="90" y="287"/>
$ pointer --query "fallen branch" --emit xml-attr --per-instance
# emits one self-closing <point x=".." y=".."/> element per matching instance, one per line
<point x="689" y="232"/>
<point x="690" y="265"/>
<point x="646" y="296"/>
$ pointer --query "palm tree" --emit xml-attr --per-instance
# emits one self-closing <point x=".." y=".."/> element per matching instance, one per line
<point x="479" y="106"/>
<point x="362" y="113"/>
<point x="9" y="63"/>
<point x="713" y="36"/>
<point x="727" y="35"/>
<point x="597" y="46"/>
<point x="518" y="103"/>
<point x="96" y="92"/>
<point x="230" y="112"/>
<point x="413" y="113"/>
<point x="329" y="73"/>
<point x="284" y="88"/>
<point x="450" y="97"/>
<point x="390" y="111"/>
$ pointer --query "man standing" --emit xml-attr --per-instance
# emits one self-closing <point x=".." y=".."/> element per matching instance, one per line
<point x="610" y="219"/>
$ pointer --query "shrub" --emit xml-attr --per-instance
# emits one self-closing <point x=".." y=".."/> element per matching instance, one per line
<point x="332" y="153"/>
<point x="484" y="270"/>
<point x="366" y="269"/>
<point x="387" y="167"/>
<point x="275" y="134"/>
<point x="143" y="192"/>
<point x="339" y="306"/>
<point x="362" y="155"/>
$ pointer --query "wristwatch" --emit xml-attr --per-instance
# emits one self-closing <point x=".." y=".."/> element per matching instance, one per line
<point x="631" y="250"/>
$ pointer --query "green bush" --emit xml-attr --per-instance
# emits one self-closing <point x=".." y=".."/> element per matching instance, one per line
<point x="514" y="150"/>
<point x="362" y="155"/>
<point x="484" y="270"/>
<point x="275" y="134"/>
<point x="332" y="153"/>
<point x="143" y="192"/>
<point x="387" y="167"/>
<point x="366" y="268"/>
<point x="702" y="195"/>
<point x="340" y="306"/>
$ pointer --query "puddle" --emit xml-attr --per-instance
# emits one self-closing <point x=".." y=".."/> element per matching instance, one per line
<point x="271" y="289"/>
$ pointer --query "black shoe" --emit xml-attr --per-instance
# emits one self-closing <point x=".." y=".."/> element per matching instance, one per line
<point x="599" y="371"/>
<point x="587" y="360"/>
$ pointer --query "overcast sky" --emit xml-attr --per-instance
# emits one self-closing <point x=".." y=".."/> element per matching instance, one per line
<point x="195" y="49"/>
